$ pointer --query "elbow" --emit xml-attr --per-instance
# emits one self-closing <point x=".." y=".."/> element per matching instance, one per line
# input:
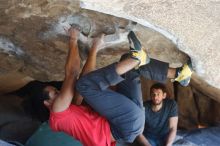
<point x="173" y="130"/>
<point x="71" y="73"/>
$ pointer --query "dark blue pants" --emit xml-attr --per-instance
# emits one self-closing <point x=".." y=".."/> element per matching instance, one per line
<point x="156" y="141"/>
<point x="124" y="107"/>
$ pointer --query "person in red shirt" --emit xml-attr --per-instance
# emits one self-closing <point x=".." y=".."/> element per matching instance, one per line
<point x="79" y="121"/>
<point x="110" y="116"/>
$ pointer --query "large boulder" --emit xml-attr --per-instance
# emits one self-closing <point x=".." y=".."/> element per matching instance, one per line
<point x="193" y="26"/>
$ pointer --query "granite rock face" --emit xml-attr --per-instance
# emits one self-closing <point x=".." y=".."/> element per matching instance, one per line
<point x="193" y="26"/>
<point x="33" y="41"/>
<point x="32" y="35"/>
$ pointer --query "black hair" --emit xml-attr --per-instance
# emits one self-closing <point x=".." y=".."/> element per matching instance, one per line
<point x="158" y="86"/>
<point x="33" y="103"/>
<point x="34" y="94"/>
<point x="36" y="100"/>
<point x="44" y="94"/>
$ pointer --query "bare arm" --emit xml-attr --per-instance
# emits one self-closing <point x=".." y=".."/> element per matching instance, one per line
<point x="72" y="68"/>
<point x="88" y="67"/>
<point x="173" y="121"/>
<point x="90" y="64"/>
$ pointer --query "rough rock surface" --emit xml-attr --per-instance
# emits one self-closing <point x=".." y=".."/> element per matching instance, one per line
<point x="33" y="41"/>
<point x="15" y="123"/>
<point x="193" y="26"/>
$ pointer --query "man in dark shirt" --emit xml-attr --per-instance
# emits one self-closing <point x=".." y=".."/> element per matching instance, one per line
<point x="161" y="117"/>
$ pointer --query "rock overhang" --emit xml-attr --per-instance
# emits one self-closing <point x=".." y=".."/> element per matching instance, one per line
<point x="193" y="31"/>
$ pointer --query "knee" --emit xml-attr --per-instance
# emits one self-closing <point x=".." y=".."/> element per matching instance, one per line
<point x="82" y="85"/>
<point x="86" y="84"/>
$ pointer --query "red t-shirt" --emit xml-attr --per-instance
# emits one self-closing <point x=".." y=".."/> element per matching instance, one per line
<point x="83" y="124"/>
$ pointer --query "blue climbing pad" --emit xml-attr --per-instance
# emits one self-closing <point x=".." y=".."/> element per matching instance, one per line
<point x="44" y="136"/>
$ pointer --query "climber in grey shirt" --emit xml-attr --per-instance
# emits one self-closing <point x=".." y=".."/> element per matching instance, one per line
<point x="161" y="117"/>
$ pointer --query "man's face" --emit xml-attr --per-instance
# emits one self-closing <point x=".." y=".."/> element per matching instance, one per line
<point x="53" y="93"/>
<point x="157" y="96"/>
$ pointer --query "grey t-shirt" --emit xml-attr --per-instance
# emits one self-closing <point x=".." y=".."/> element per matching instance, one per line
<point x="157" y="123"/>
